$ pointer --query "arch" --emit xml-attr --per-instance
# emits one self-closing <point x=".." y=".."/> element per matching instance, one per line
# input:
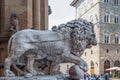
<point x="106" y="1"/>
<point x="116" y="19"/>
<point x="117" y="63"/>
<point x="106" y="37"/>
<point x="106" y="66"/>
<point x="116" y="2"/>
<point x="116" y="38"/>
<point x="92" y="64"/>
<point x="92" y="67"/>
<point x="106" y="17"/>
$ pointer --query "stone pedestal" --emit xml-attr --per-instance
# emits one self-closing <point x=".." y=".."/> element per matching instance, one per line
<point x="55" y="77"/>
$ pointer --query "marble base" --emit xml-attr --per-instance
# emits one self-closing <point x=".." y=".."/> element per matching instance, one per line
<point x="55" y="77"/>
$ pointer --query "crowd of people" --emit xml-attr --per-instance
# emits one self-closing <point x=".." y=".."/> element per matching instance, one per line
<point x="96" y="77"/>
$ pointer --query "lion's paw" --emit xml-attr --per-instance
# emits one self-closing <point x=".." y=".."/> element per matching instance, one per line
<point x="9" y="73"/>
<point x="40" y="73"/>
<point x="28" y="75"/>
<point x="33" y="72"/>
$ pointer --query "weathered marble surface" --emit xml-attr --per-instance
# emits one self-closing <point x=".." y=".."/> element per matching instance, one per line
<point x="64" y="43"/>
<point x="55" y="77"/>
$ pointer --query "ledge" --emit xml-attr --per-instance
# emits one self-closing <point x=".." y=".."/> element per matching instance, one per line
<point x="55" y="77"/>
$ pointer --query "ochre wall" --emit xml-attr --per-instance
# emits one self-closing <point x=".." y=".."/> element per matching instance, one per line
<point x="24" y="11"/>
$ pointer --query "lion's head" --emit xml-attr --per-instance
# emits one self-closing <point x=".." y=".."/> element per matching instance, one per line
<point x="81" y="33"/>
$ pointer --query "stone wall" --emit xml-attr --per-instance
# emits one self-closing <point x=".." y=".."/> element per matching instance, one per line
<point x="94" y="10"/>
<point x="112" y="55"/>
<point x="25" y="11"/>
<point x="91" y="13"/>
<point x="111" y="28"/>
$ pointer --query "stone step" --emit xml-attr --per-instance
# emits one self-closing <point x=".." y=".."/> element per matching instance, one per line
<point x="55" y="77"/>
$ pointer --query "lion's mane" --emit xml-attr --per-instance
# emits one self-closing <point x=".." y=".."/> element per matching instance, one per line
<point x="78" y="31"/>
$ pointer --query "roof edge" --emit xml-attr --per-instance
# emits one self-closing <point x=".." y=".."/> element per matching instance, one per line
<point x="74" y="2"/>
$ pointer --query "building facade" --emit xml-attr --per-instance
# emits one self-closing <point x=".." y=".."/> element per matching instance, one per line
<point x="105" y="14"/>
<point x="22" y="14"/>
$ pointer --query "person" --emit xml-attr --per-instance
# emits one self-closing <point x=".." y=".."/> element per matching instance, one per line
<point x="86" y="76"/>
<point x="98" y="77"/>
<point x="106" y="76"/>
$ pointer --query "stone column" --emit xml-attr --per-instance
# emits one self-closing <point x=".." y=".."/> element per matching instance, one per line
<point x="36" y="14"/>
<point x="44" y="14"/>
<point x="29" y="13"/>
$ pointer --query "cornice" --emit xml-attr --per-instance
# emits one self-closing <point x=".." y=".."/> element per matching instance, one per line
<point x="74" y="2"/>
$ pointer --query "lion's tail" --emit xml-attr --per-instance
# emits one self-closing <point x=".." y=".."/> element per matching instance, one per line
<point x="9" y="44"/>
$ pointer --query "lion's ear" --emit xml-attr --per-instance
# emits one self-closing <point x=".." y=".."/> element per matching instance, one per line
<point x="54" y="28"/>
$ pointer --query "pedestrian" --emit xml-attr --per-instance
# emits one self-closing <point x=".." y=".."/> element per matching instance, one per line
<point x="106" y="76"/>
<point x="98" y="77"/>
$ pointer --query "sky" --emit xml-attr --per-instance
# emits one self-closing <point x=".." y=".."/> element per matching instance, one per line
<point x="62" y="12"/>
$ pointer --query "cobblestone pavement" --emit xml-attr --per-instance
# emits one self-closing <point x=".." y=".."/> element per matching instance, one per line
<point x="114" y="79"/>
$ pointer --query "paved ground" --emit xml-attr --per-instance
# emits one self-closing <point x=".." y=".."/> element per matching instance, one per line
<point x="114" y="79"/>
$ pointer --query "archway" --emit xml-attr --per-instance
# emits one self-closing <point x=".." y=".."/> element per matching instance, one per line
<point x="106" y="66"/>
<point x="117" y="63"/>
<point x="92" y="67"/>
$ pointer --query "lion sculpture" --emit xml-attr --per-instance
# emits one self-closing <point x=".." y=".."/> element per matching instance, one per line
<point x="65" y="43"/>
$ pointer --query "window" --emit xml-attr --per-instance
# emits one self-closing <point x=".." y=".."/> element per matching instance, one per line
<point x="116" y="20"/>
<point x="106" y="66"/>
<point x="106" y="38"/>
<point x="117" y="51"/>
<point x="116" y="38"/>
<point x="107" y="63"/>
<point x="92" y="64"/>
<point x="106" y="1"/>
<point x="106" y="17"/>
<point x="91" y="52"/>
<point x="92" y="67"/>
<point x="107" y="50"/>
<point x="116" y="2"/>
<point x="117" y="63"/>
